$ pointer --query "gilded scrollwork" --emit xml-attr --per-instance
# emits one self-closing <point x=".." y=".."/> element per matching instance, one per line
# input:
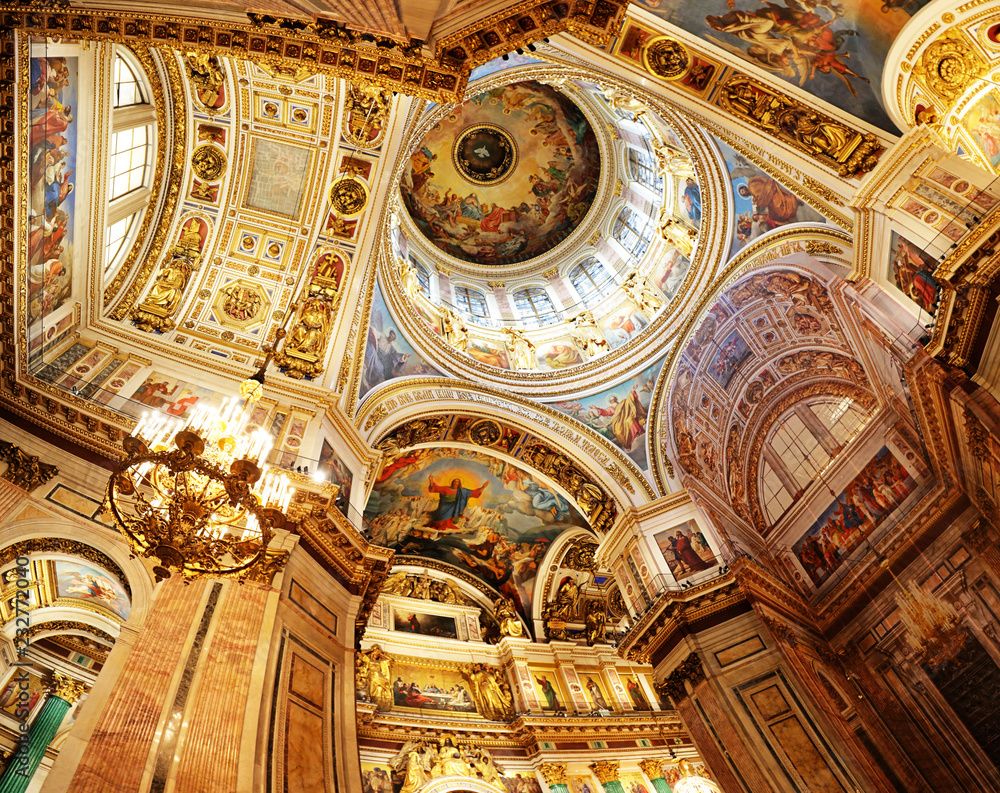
<point x="24" y="470"/>
<point x="590" y="497"/>
<point x="366" y="113"/>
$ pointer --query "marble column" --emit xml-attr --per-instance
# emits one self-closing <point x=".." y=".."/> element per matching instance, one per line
<point x="554" y="775"/>
<point x="63" y="692"/>
<point x="606" y="772"/>
<point x="654" y="770"/>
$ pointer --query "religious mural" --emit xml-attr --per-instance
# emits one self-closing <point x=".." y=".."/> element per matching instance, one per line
<point x="505" y="177"/>
<point x="635" y="692"/>
<point x="409" y="621"/>
<point x="521" y="783"/>
<point x="499" y="64"/>
<point x="338" y="473"/>
<point x="479" y="513"/>
<point x="167" y="394"/>
<point x="728" y="358"/>
<point x="550" y="693"/>
<point x="387" y="354"/>
<point x="623" y="324"/>
<point x="668" y="272"/>
<point x="278" y="177"/>
<point x="982" y="122"/>
<point x="619" y="413"/>
<point x="51" y="200"/>
<point x="80" y="581"/>
<point x="760" y="204"/>
<point x="428" y="688"/>
<point x="836" y="51"/>
<point x="376" y="778"/>
<point x="686" y="550"/>
<point x="14" y="695"/>
<point x="874" y="494"/>
<point x="911" y="269"/>
<point x="633" y="782"/>
<point x="583" y="784"/>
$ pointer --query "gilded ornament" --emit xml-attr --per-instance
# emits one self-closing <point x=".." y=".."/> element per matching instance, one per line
<point x="652" y="768"/>
<point x="605" y="770"/>
<point x="366" y="111"/>
<point x="305" y="345"/>
<point x="580" y="556"/>
<point x="373" y="678"/>
<point x="976" y="436"/>
<point x="207" y="78"/>
<point x="666" y="58"/>
<point x="266" y="568"/>
<point x="454" y="330"/>
<point x="485" y="432"/>
<point x="209" y="162"/>
<point x="484" y="154"/>
<point x="587" y="335"/>
<point x="948" y="66"/>
<point x="553" y="773"/>
<point x="348" y="197"/>
<point x="520" y="349"/>
<point x="642" y="292"/>
<point x="816" y="247"/>
<point x="23" y="469"/>
<point x="167" y="291"/>
<point x="66" y="688"/>
<point x="596" y="621"/>
<point x="377" y="415"/>
<point x="413" y="433"/>
<point x="241" y="304"/>
<point x="489" y="692"/>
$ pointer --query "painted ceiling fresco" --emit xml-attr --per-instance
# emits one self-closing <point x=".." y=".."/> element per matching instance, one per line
<point x="505" y="177"/>
<point x="477" y="512"/>
<point x="835" y="51"/>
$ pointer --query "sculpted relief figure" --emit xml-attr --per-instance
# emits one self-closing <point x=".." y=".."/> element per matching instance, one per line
<point x="374" y="677"/>
<point x="588" y="336"/>
<point x="409" y="279"/>
<point x="596" y="621"/>
<point x="506" y="617"/>
<point x="456" y="332"/>
<point x="490" y="692"/>
<point x="673" y="164"/>
<point x="637" y="287"/>
<point x="308" y="337"/>
<point x="621" y="100"/>
<point x="675" y="232"/>
<point x="520" y="350"/>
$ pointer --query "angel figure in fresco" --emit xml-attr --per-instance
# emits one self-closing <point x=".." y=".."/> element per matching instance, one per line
<point x="452" y="501"/>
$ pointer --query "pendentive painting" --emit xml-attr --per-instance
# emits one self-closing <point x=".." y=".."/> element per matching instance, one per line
<point x="338" y="473"/>
<point x="686" y="550"/>
<point x="52" y="141"/>
<point x="982" y="122"/>
<point x="874" y="494"/>
<point x="912" y="270"/>
<point x="761" y="204"/>
<point x="81" y="581"/>
<point x="620" y="413"/>
<point x="428" y="688"/>
<point x="505" y="177"/>
<point x="835" y="51"/>
<point x="387" y="354"/>
<point x="479" y="513"/>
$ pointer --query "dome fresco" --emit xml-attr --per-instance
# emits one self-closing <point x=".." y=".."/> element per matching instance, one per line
<point x="505" y="177"/>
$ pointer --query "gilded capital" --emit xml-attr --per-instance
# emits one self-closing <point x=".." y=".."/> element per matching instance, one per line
<point x="978" y="536"/>
<point x="553" y="773"/>
<point x="652" y="768"/>
<point x="66" y="688"/>
<point x="605" y="771"/>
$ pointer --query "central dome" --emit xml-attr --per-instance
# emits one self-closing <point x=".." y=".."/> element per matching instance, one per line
<point x="504" y="177"/>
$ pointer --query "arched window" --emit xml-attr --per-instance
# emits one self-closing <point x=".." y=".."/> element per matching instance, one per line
<point x="642" y="166"/>
<point x="128" y="90"/>
<point x="591" y="280"/>
<point x="473" y="303"/>
<point x="801" y="445"/>
<point x="423" y="277"/>
<point x="634" y="231"/>
<point x="535" y="307"/>
<point x="130" y="158"/>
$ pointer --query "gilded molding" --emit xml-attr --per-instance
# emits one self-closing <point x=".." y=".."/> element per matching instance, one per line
<point x="24" y="470"/>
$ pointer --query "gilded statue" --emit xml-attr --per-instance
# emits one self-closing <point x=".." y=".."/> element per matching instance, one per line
<point x="168" y="288"/>
<point x="305" y="346"/>
<point x="418" y="762"/>
<point x="675" y="232"/>
<point x="642" y="292"/>
<point x="456" y="332"/>
<point x="622" y="100"/>
<point x="365" y="113"/>
<point x="673" y="164"/>
<point x="596" y="621"/>
<point x="588" y="336"/>
<point x="565" y="604"/>
<point x="506" y="617"/>
<point x="206" y="76"/>
<point x="373" y="669"/>
<point x="520" y="350"/>
<point x="398" y="584"/>
<point x="489" y="691"/>
<point x="408" y="278"/>
<point x="449" y="760"/>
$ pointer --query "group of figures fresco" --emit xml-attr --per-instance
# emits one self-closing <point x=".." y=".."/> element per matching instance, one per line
<point x="52" y="163"/>
<point x="912" y="270"/>
<point x="871" y="497"/>
<point x="619" y="413"/>
<point x="686" y="550"/>
<point x="548" y="191"/>
<point x="80" y="581"/>
<point x="476" y="512"/>
<point x="835" y="50"/>
<point x="431" y="689"/>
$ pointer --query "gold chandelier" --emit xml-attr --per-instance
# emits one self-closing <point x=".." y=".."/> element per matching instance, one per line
<point x="933" y="627"/>
<point x="195" y="494"/>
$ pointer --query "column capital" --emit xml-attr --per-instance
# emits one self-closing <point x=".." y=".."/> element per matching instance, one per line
<point x="553" y="773"/>
<point x="605" y="770"/>
<point x="66" y="688"/>
<point x="977" y="536"/>
<point x="652" y="768"/>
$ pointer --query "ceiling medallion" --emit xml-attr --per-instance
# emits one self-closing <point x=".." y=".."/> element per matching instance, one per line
<point x="667" y="58"/>
<point x="485" y="154"/>
<point x="208" y="162"/>
<point x="348" y="197"/>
